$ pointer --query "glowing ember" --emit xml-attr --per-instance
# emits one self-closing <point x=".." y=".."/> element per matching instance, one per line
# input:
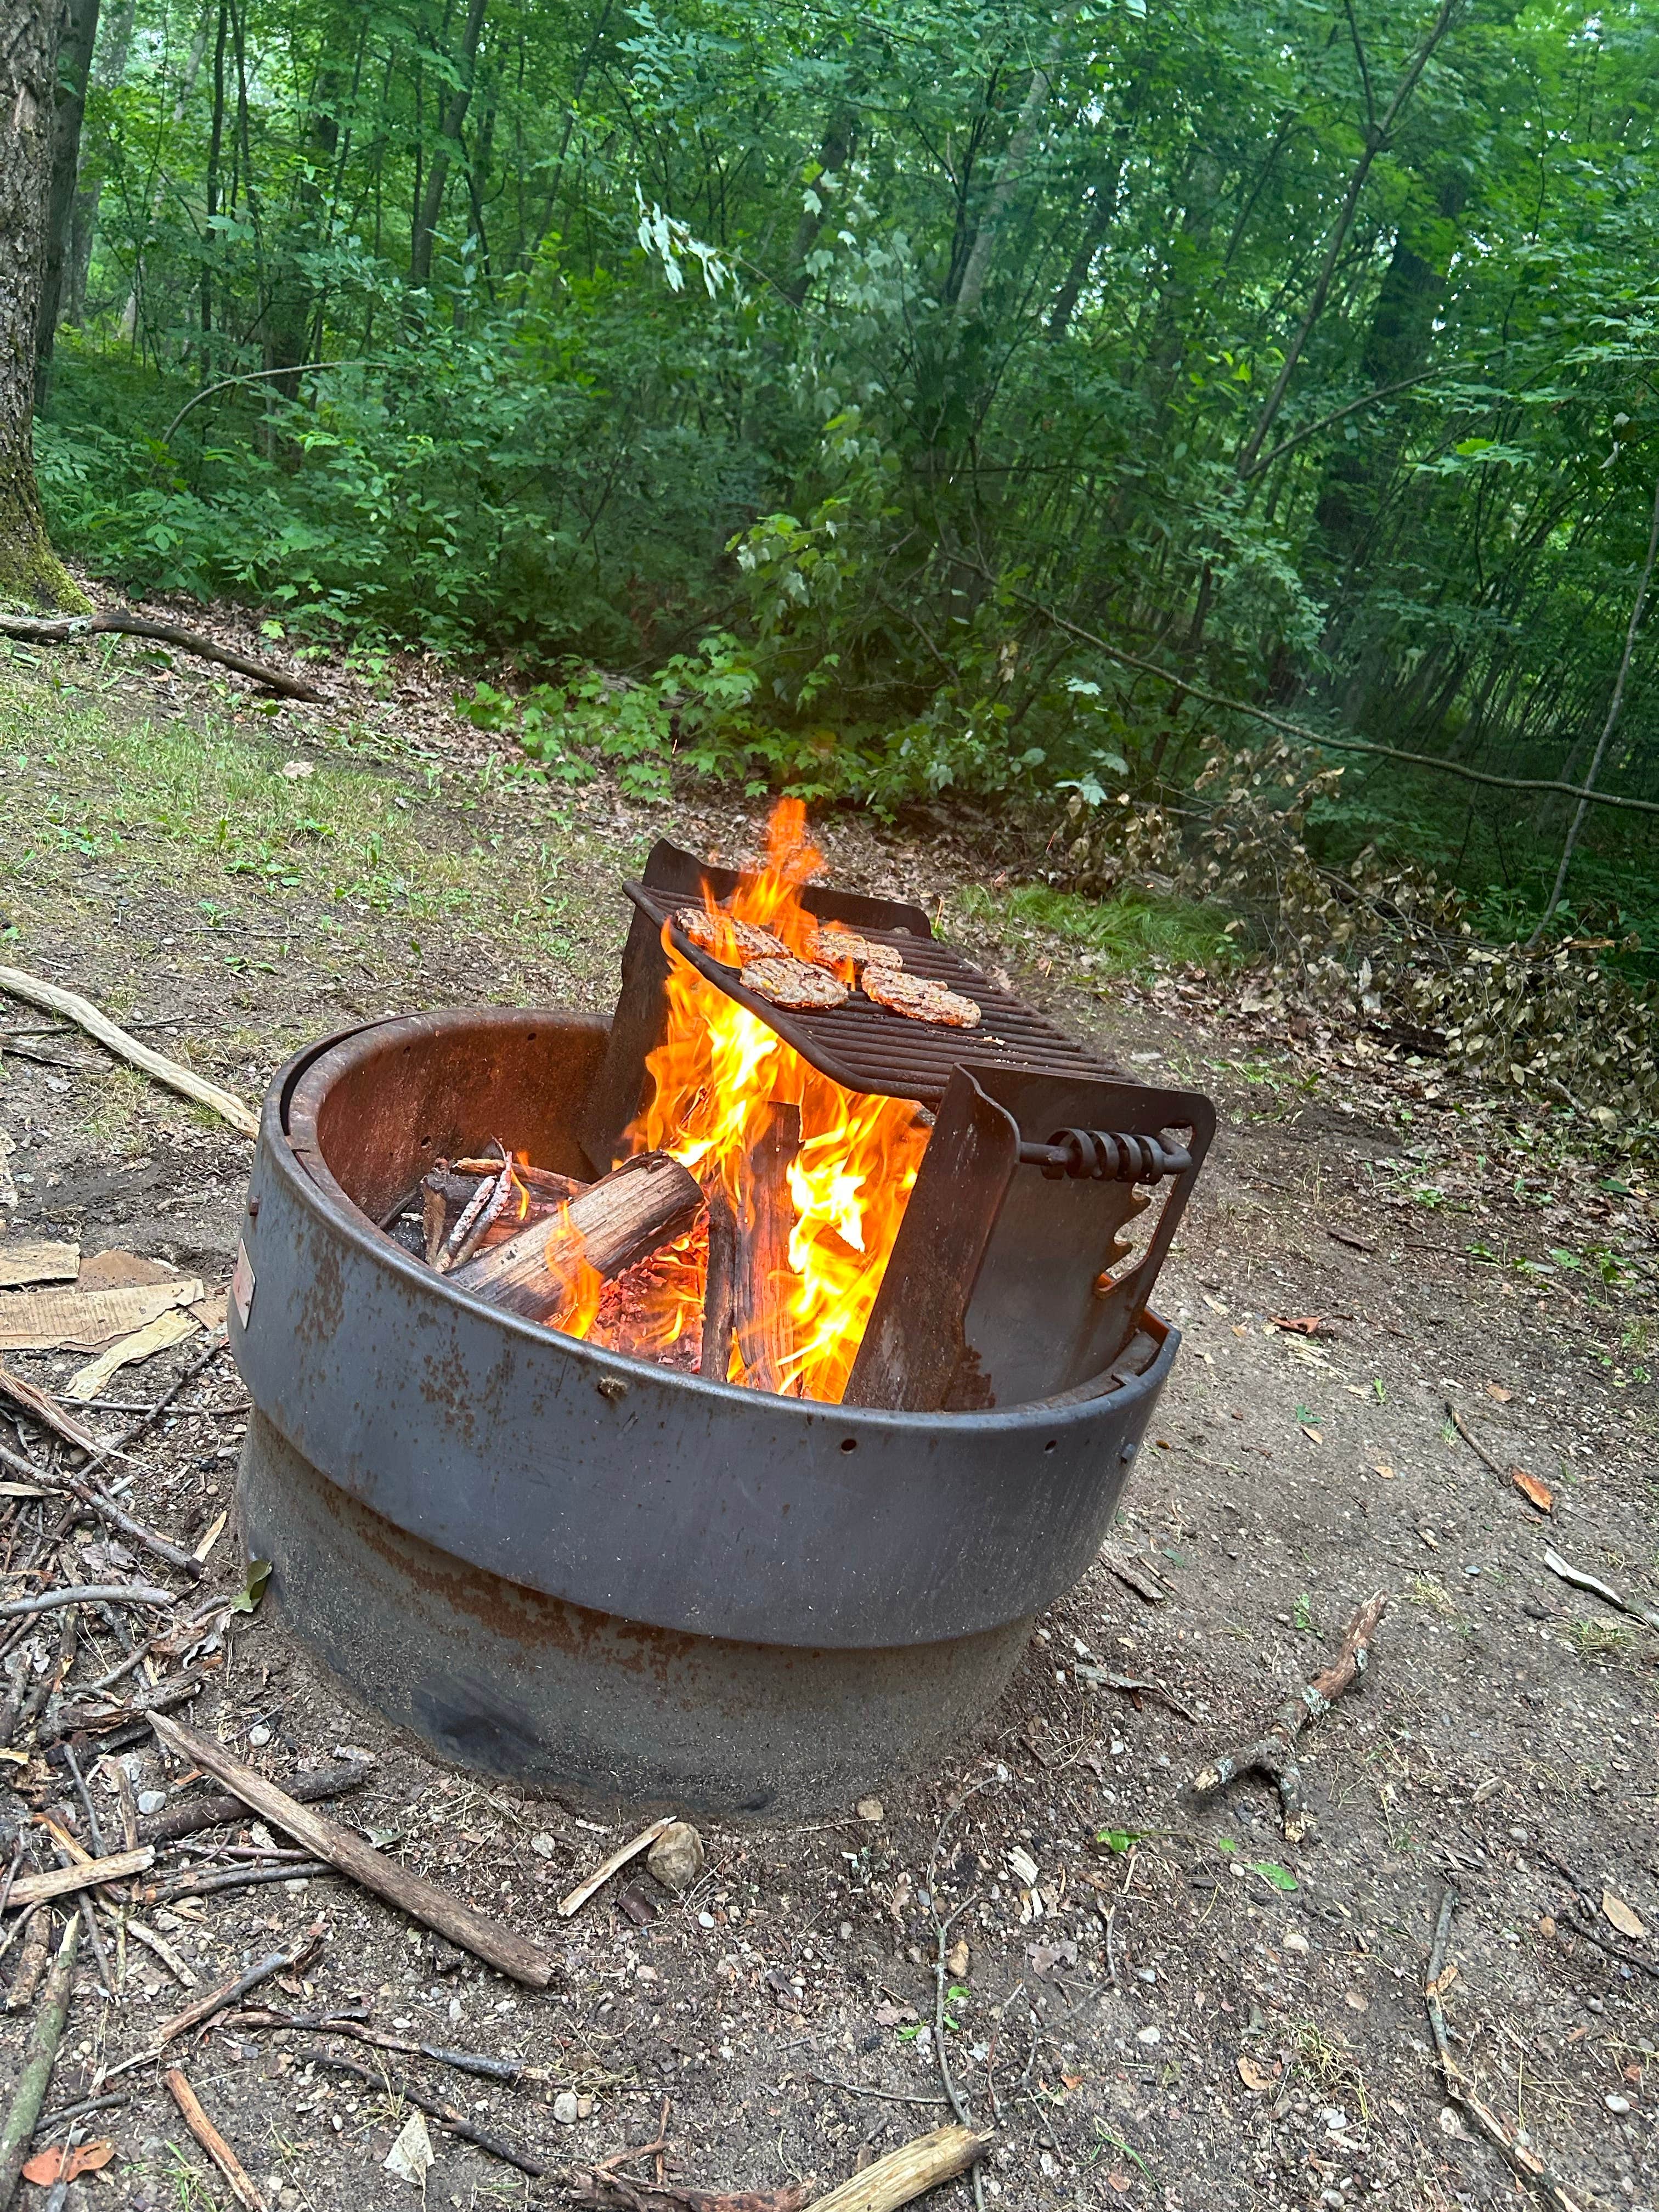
<point x="716" y="1074"/>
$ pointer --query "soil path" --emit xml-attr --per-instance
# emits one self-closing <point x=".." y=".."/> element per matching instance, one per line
<point x="1182" y="2010"/>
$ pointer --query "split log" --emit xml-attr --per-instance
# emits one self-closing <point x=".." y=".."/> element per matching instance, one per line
<point x="499" y="1947"/>
<point x="720" y="1292"/>
<point x="764" y="1336"/>
<point x="907" y="2172"/>
<point x="34" y="1889"/>
<point x="1275" y="1753"/>
<point x="610" y="1226"/>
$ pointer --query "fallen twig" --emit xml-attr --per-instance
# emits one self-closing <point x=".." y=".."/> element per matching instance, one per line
<point x="208" y="1885"/>
<point x="435" y="2109"/>
<point x="618" y="1859"/>
<point x="70" y="2113"/>
<point x="1474" y="1442"/>
<point x="499" y="1947"/>
<point x="1605" y="1591"/>
<point x="29" y="2095"/>
<point x="193" y="1814"/>
<point x="32" y="1959"/>
<point x="509" y="2070"/>
<point x="97" y="1023"/>
<point x="212" y="2141"/>
<point x="63" y="630"/>
<point x="1521" y="2157"/>
<point x="108" y="1511"/>
<point x="909" y="2171"/>
<point x="85" y="1594"/>
<point x="1132" y="1686"/>
<point x="1275" y="1753"/>
<point x="279" y="1962"/>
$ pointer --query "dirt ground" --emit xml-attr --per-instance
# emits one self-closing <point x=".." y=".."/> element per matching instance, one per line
<point x="1182" y="2010"/>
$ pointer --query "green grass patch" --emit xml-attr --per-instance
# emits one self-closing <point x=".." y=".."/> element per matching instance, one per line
<point x="224" y="814"/>
<point x="1133" y="934"/>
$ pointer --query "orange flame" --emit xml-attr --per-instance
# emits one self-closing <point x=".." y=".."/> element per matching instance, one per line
<point x="716" y="1074"/>
<point x="584" y="1286"/>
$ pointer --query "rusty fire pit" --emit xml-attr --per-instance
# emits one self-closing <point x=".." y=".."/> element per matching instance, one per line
<point x="603" y="1575"/>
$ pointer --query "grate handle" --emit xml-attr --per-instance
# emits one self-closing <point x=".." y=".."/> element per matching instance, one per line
<point x="1106" y="1156"/>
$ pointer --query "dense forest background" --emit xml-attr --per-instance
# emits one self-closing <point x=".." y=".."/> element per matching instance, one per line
<point x="871" y="386"/>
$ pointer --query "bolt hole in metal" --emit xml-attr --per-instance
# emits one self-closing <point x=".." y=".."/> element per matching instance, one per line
<point x="849" y="1443"/>
<point x="1052" y="1444"/>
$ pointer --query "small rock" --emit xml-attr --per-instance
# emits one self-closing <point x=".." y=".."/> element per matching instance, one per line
<point x="259" y="1736"/>
<point x="566" y="2109"/>
<point x="871" y="1809"/>
<point x="544" y="1846"/>
<point x="584" y="2108"/>
<point x="151" y="1800"/>
<point x="675" y="1859"/>
<point x="1149" y="2035"/>
<point x="1295" y="1940"/>
<point x="1451" y="2120"/>
<point x="955" y="1959"/>
<point x="1617" y="2104"/>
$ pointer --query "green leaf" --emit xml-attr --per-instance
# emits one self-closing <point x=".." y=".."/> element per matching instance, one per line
<point x="1270" y="1870"/>
<point x="248" y="1598"/>
<point x="1119" y="1839"/>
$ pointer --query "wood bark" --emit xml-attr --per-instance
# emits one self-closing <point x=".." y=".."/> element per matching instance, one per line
<point x="615" y="1223"/>
<point x="763" y="1334"/>
<point x="30" y="573"/>
<point x="498" y="1947"/>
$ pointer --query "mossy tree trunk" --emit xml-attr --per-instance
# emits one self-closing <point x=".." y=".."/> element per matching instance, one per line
<point x="30" y="572"/>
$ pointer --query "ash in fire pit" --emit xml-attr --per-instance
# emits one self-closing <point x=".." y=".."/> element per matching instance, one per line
<point x="696" y="1408"/>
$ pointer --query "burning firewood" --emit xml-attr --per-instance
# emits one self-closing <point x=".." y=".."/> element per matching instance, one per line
<point x="607" y="1227"/>
<point x="763" y="1228"/>
<point x="448" y="1190"/>
<point x="719" y="1296"/>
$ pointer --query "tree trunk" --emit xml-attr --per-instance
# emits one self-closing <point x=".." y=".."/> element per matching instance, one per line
<point x="80" y="34"/>
<point x="1015" y="161"/>
<point x="840" y="136"/>
<point x="30" y="573"/>
<point x="452" y="117"/>
<point x="108" y="70"/>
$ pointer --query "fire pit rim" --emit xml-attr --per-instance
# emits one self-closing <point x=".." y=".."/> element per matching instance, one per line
<point x="315" y="1176"/>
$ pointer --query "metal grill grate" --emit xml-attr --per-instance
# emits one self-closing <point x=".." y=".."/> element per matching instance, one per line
<point x="863" y="1047"/>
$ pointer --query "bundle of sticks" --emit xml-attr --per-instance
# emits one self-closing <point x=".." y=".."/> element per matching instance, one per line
<point x="535" y="1242"/>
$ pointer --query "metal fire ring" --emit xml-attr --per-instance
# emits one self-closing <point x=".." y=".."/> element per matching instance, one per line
<point x="617" y="1484"/>
<point x="605" y="1489"/>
